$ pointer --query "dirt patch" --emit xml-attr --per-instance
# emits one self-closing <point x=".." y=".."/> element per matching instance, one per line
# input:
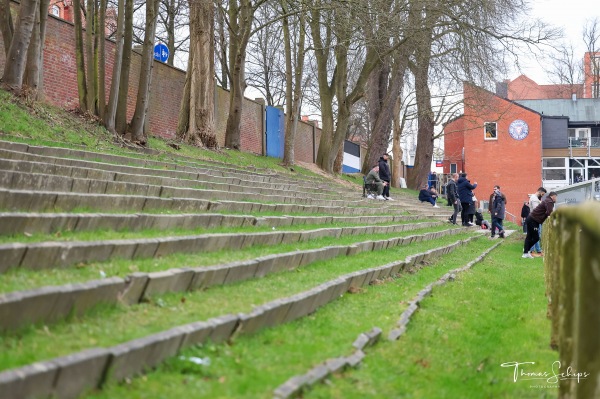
<point x="315" y="169"/>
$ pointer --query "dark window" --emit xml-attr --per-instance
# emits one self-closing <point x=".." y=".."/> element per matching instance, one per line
<point x="489" y="129"/>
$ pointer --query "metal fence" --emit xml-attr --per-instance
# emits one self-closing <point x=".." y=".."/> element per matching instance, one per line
<point x="572" y="272"/>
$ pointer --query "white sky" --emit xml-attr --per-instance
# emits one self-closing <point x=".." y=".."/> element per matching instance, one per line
<point x="571" y="15"/>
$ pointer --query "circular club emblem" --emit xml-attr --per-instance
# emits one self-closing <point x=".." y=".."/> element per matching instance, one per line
<point x="518" y="129"/>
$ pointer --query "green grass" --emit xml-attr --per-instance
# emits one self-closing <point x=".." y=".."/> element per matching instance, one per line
<point x="100" y="235"/>
<point x="24" y="279"/>
<point x="110" y="325"/>
<point x="457" y="341"/>
<point x="253" y="366"/>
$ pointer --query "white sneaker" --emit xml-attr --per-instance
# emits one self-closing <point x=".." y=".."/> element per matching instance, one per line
<point x="527" y="255"/>
<point x="380" y="197"/>
<point x="471" y="224"/>
<point x="390" y="199"/>
<point x="435" y="206"/>
<point x="370" y="196"/>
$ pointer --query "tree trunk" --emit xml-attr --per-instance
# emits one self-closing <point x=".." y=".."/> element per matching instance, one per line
<point x="89" y="55"/>
<point x="31" y="78"/>
<point x="171" y="31"/>
<point x="293" y="83"/>
<point x="101" y="58"/>
<point x="397" y="152"/>
<point x="196" y="120"/>
<point x="6" y="24"/>
<point x="424" y="152"/>
<point x="240" y="25"/>
<point x="16" y="59"/>
<point x="143" y="95"/>
<point x="121" y="117"/>
<point x="79" y="59"/>
<point x="111" y="109"/>
<point x="380" y="135"/>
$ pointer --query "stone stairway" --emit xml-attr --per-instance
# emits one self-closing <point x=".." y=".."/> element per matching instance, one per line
<point x="150" y="212"/>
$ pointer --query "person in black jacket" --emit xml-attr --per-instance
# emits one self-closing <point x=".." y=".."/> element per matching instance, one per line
<point x="524" y="213"/>
<point x="465" y="195"/>
<point x="385" y="175"/>
<point x="535" y="219"/>
<point x="452" y="195"/>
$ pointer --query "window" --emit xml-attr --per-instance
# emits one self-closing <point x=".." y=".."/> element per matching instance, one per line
<point x="452" y="168"/>
<point x="55" y="10"/>
<point x="489" y="131"/>
<point x="554" y="169"/>
<point x="554" y="174"/>
<point x="553" y="163"/>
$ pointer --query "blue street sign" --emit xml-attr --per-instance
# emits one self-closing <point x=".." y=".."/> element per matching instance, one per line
<point x="161" y="52"/>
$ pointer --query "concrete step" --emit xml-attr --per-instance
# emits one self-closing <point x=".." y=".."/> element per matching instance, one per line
<point x="124" y="360"/>
<point x="49" y="223"/>
<point x="41" y="201"/>
<point x="36" y="181"/>
<point x="50" y="304"/>
<point x="58" y="254"/>
<point x="124" y="164"/>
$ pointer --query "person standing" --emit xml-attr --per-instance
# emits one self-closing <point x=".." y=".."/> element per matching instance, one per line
<point x="534" y="201"/>
<point x="524" y="213"/>
<point x="535" y="219"/>
<point x="373" y="178"/>
<point x="497" y="209"/>
<point x="452" y="195"/>
<point x="385" y="175"/>
<point x="465" y="194"/>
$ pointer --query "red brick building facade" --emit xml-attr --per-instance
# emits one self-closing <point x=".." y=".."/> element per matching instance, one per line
<point x="496" y="142"/>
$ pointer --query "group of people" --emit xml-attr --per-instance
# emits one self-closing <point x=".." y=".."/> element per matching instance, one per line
<point x="380" y="177"/>
<point x="459" y="191"/>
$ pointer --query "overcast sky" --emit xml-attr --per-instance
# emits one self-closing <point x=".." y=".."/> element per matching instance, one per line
<point x="570" y="15"/>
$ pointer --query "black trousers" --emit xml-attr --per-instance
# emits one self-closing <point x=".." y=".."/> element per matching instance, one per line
<point x="464" y="216"/>
<point x="386" y="189"/>
<point x="533" y="234"/>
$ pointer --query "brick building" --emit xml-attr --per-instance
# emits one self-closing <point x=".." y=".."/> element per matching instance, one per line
<point x="523" y="136"/>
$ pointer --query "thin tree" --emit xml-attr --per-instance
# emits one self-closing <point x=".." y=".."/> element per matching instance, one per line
<point x="123" y="96"/>
<point x="111" y="109"/>
<point x="79" y="56"/>
<point x="293" y="80"/>
<point x="138" y="120"/>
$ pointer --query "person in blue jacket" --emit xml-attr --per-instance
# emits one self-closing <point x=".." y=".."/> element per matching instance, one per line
<point x="425" y="195"/>
<point x="465" y="194"/>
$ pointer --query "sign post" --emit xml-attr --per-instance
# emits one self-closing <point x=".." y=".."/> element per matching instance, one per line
<point x="161" y="52"/>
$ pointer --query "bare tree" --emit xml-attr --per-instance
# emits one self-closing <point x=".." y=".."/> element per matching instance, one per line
<point x="241" y="18"/>
<point x="293" y="78"/>
<point x="111" y="109"/>
<point x="265" y="63"/>
<point x="138" y="121"/>
<point x="121" y="115"/>
<point x="16" y="59"/>
<point x="79" y="56"/>
<point x="34" y="75"/>
<point x="6" y="24"/>
<point x="564" y="67"/>
<point x="196" y="116"/>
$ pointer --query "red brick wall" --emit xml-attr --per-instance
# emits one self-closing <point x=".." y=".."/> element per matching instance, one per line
<point x="454" y="141"/>
<point x="523" y="88"/>
<point x="60" y="79"/>
<point x="515" y="165"/>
